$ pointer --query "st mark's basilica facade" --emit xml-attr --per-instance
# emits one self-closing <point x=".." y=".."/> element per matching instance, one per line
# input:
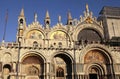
<point x="88" y="48"/>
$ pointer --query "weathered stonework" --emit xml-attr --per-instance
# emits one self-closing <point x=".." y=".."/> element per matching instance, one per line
<point x="81" y="49"/>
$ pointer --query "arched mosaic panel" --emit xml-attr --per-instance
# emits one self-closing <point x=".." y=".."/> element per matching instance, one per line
<point x="89" y="35"/>
<point x="59" y="35"/>
<point x="94" y="56"/>
<point x="35" y="34"/>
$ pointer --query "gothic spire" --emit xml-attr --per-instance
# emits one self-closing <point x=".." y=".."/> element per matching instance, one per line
<point x="47" y="15"/>
<point x="47" y="20"/>
<point x="69" y="16"/>
<point x="69" y="20"/>
<point x="22" y="12"/>
<point x="22" y="20"/>
<point x="21" y="24"/>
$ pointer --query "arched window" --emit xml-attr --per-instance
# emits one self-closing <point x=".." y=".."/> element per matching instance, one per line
<point x="47" y="22"/>
<point x="60" y="44"/>
<point x="35" y="44"/>
<point x="60" y="72"/>
<point x="6" y="69"/>
<point x="70" y="23"/>
<point x="21" y="21"/>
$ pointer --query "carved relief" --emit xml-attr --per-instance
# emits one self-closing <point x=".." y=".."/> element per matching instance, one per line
<point x="32" y="65"/>
<point x="93" y="70"/>
<point x="32" y="70"/>
<point x="94" y="56"/>
<point x="89" y="20"/>
<point x="7" y="57"/>
<point x="59" y="60"/>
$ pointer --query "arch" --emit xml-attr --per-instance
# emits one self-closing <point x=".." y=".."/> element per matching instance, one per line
<point x="89" y="35"/>
<point x="32" y="53"/>
<point x="21" y="21"/>
<point x="64" y="53"/>
<point x="33" y="63"/>
<point x="32" y="59"/>
<point x="64" y="61"/>
<point x="47" y="22"/>
<point x="99" y="60"/>
<point x="97" y="66"/>
<point x="7" y="66"/>
<point x="7" y="69"/>
<point x="95" y="27"/>
<point x="95" y="71"/>
<point x="103" y="50"/>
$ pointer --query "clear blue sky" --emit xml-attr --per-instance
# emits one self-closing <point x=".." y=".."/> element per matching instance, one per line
<point x="55" y="8"/>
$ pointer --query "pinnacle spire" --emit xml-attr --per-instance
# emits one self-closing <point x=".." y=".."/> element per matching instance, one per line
<point x="22" y="20"/>
<point x="47" y="14"/>
<point x="22" y="12"/>
<point x="69" y="16"/>
<point x="69" y="20"/>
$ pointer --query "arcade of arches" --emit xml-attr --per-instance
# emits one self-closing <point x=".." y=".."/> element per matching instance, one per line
<point x="87" y="48"/>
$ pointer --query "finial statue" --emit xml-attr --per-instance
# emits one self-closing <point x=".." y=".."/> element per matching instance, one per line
<point x="59" y="19"/>
<point x="87" y="9"/>
<point x="35" y="17"/>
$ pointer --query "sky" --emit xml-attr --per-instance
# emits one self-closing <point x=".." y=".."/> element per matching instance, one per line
<point x="54" y="7"/>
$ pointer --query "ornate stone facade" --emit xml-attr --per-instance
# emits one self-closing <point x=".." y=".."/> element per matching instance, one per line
<point x="81" y="49"/>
